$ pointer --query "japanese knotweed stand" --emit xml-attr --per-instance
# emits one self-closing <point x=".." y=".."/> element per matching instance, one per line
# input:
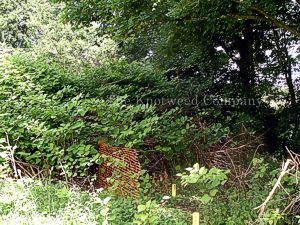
<point x="122" y="167"/>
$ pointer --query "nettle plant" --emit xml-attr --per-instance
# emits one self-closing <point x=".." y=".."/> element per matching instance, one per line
<point x="206" y="181"/>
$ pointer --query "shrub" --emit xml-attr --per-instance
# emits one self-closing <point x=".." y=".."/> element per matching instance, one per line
<point x="55" y="126"/>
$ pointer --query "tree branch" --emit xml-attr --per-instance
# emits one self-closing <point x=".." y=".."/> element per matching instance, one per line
<point x="284" y="171"/>
<point x="272" y="19"/>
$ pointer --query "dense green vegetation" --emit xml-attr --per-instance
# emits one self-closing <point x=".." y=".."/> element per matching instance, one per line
<point x="206" y="91"/>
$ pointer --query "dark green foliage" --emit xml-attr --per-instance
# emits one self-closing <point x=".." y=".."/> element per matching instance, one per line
<point x="56" y="123"/>
<point x="120" y="78"/>
<point x="163" y="77"/>
<point x="232" y="48"/>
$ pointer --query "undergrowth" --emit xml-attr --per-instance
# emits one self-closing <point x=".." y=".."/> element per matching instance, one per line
<point x="29" y="202"/>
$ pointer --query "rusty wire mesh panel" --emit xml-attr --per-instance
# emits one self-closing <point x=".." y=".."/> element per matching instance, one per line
<point x="122" y="165"/>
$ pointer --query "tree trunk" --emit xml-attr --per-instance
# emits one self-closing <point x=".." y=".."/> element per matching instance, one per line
<point x="289" y="77"/>
<point x="245" y="61"/>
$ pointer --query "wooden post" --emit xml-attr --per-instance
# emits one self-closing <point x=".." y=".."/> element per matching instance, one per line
<point x="174" y="190"/>
<point x="196" y="220"/>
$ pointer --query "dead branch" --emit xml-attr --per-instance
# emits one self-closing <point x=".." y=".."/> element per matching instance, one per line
<point x="285" y="170"/>
<point x="289" y="165"/>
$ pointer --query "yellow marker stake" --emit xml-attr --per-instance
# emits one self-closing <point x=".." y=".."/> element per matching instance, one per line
<point x="173" y="190"/>
<point x="196" y="219"/>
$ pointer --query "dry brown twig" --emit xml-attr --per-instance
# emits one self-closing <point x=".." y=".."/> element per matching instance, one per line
<point x="289" y="165"/>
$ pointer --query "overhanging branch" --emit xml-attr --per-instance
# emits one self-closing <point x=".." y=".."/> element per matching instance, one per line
<point x="272" y="19"/>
